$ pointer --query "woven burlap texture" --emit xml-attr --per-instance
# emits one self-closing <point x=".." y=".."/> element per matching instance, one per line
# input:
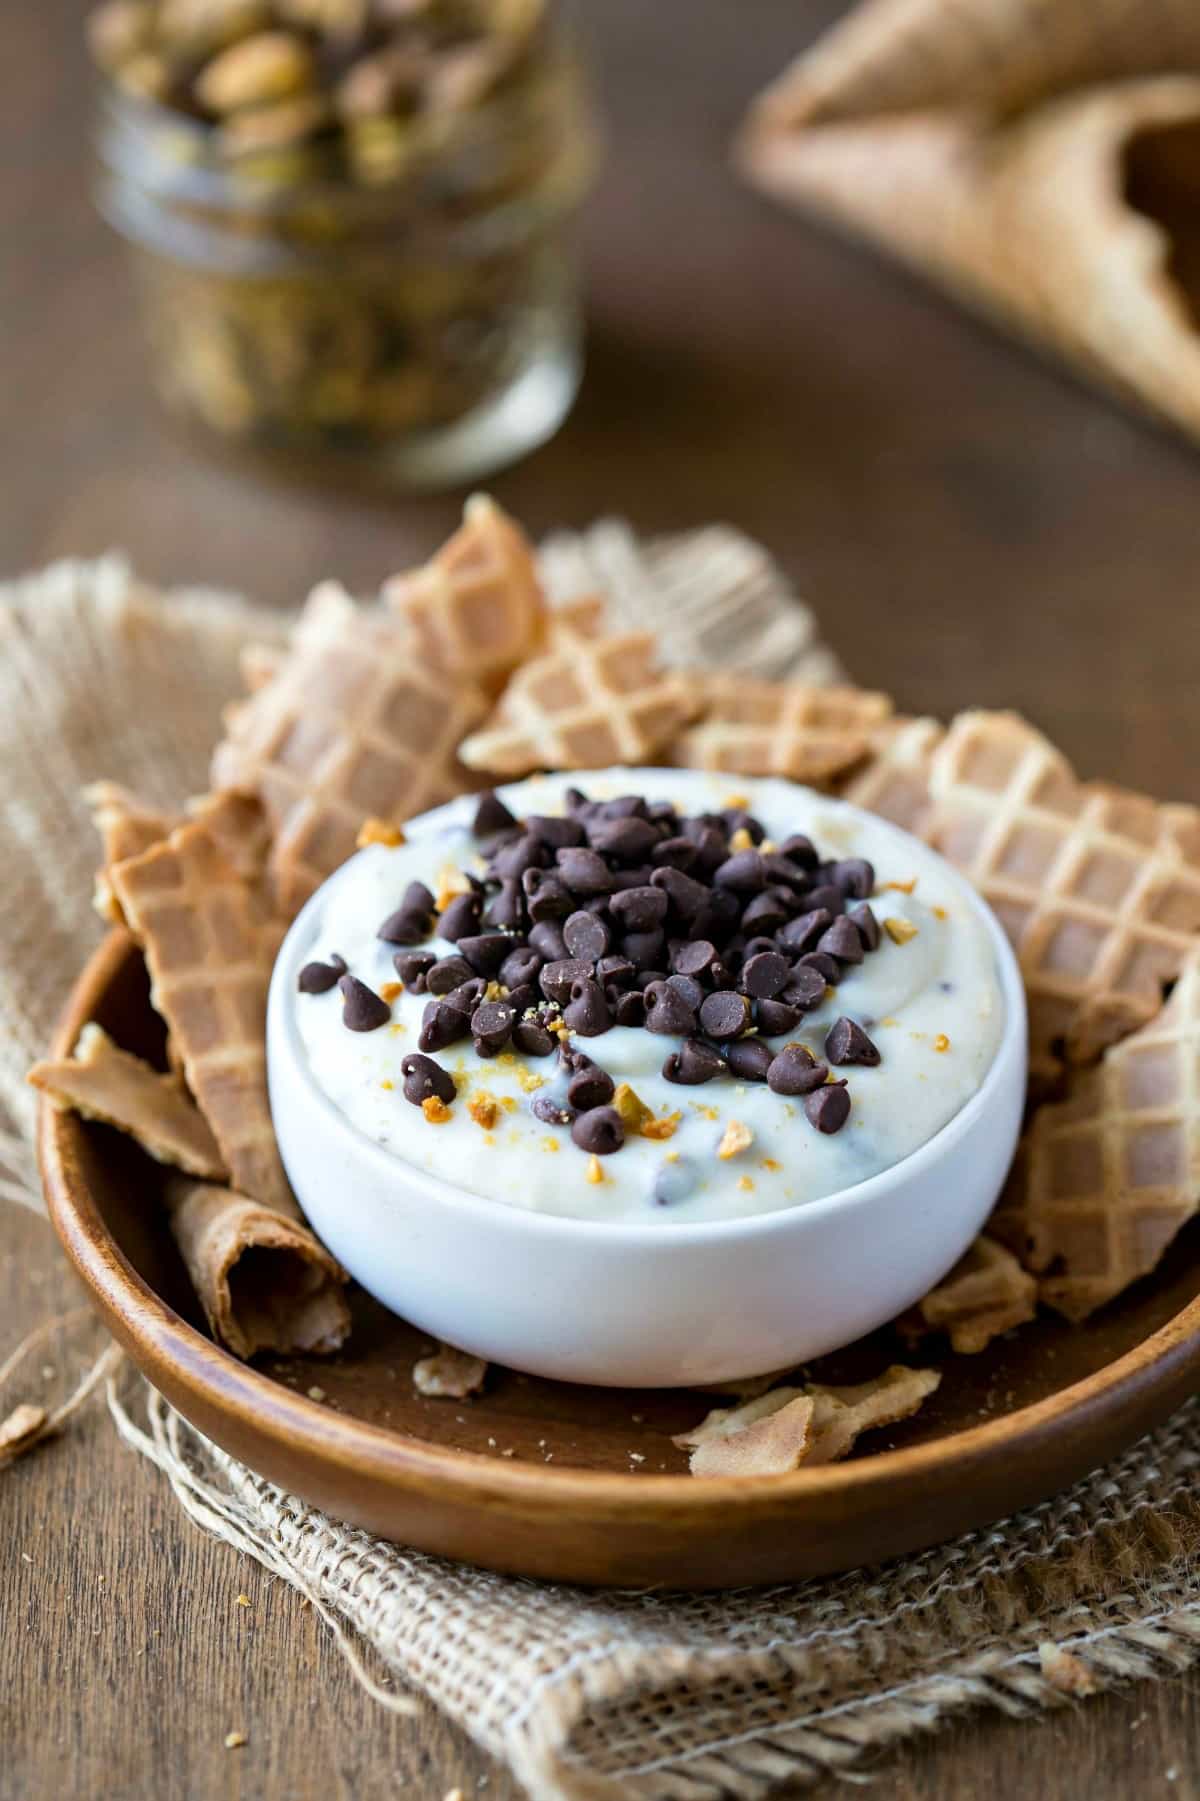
<point x="585" y="1696"/>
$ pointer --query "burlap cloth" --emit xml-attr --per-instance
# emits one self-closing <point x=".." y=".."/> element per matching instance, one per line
<point x="583" y="1695"/>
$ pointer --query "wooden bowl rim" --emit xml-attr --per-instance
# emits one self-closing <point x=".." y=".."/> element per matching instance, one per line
<point x="153" y="1331"/>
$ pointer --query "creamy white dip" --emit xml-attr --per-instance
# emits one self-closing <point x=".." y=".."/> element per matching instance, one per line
<point x="932" y="1004"/>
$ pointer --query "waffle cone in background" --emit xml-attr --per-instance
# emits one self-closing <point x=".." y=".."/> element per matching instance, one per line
<point x="1097" y="888"/>
<point x="986" y="1293"/>
<point x="264" y="1281"/>
<point x="1078" y="224"/>
<point x="894" y="781"/>
<point x="476" y="609"/>
<point x="895" y="56"/>
<point x="1106" y="1178"/>
<point x="127" y="826"/>
<point x="353" y="725"/>
<point x="787" y="729"/>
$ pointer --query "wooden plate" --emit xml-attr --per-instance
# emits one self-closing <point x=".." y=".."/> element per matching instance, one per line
<point x="583" y="1484"/>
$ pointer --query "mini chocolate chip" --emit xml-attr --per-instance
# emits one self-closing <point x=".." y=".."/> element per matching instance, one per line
<point x="546" y="894"/>
<point x="551" y="1112"/>
<point x="842" y="941"/>
<point x="766" y="912"/>
<point x="491" y="1027"/>
<point x="868" y="927"/>
<point x="645" y="977"/>
<point x="492" y="816"/>
<point x="667" y="1012"/>
<point x="725" y="1015"/>
<point x="587" y="1011"/>
<point x="827" y="967"/>
<point x="506" y="909"/>
<point x="460" y="918"/>
<point x="751" y="948"/>
<point x="826" y="895"/>
<point x="674" y="853"/>
<point x="637" y="875"/>
<point x="412" y="967"/>
<point x="854" y="876"/>
<point x="615" y="972"/>
<point x="794" y="1070"/>
<point x="624" y="806"/>
<point x="774" y="1018"/>
<point x="523" y="998"/>
<point x="694" y="957"/>
<point x="448" y="973"/>
<point x="628" y="839"/>
<point x="630" y="1008"/>
<point x="527" y="852"/>
<point x="590" y="1087"/>
<point x="599" y="1131"/>
<point x="805" y="986"/>
<point x="441" y="1025"/>
<point x="801" y="850"/>
<point x="689" y="988"/>
<point x="467" y="996"/>
<point x="417" y="898"/>
<point x="738" y="820"/>
<point x="712" y="846"/>
<point x="319" y="978"/>
<point x="749" y="1059"/>
<point x="644" y="949"/>
<point x="555" y="831"/>
<point x="846" y="1042"/>
<point x="520" y="966"/>
<point x="764" y="974"/>
<point x="486" y="952"/>
<point x="828" y="1108"/>
<point x="547" y="940"/>
<point x="639" y="909"/>
<point x="585" y="872"/>
<point x="362" y="1009"/>
<point x="719" y="917"/>
<point x="404" y="927"/>
<point x="693" y="1063"/>
<point x="586" y="936"/>
<point x="674" y="1182"/>
<point x="784" y="872"/>
<point x="557" y="979"/>
<point x="743" y="872"/>
<point x="576" y="801"/>
<point x="720" y="975"/>
<point x="801" y="933"/>
<point x="532" y="1038"/>
<point x="685" y="894"/>
<point x="424" y="1078"/>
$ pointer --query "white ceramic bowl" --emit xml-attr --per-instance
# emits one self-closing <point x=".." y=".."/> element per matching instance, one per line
<point x="643" y="1305"/>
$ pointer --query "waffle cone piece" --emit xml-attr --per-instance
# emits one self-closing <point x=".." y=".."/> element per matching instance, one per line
<point x="894" y="781"/>
<point x="127" y="826"/>
<point x="986" y="1293"/>
<point x="780" y="728"/>
<point x="1036" y="224"/>
<point x="1097" y="888"/>
<point x="890" y="56"/>
<point x="787" y="1427"/>
<point x="588" y="700"/>
<point x="353" y="725"/>
<point x="476" y="609"/>
<point x="1106" y="1178"/>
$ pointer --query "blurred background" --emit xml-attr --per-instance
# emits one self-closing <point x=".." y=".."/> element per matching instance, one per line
<point x="972" y="526"/>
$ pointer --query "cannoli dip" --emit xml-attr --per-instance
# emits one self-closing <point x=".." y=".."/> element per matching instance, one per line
<point x="648" y="995"/>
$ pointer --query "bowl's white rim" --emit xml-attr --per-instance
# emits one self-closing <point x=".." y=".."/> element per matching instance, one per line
<point x="282" y="1030"/>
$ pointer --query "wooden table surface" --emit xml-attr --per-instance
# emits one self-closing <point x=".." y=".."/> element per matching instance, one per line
<point x="973" y="527"/>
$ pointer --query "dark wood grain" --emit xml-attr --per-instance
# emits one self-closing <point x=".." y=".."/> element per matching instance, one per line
<point x="972" y="526"/>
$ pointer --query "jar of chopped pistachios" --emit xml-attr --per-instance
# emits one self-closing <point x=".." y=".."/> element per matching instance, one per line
<point x="350" y="220"/>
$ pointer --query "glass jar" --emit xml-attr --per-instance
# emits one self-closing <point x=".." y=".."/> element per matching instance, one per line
<point x="400" y="290"/>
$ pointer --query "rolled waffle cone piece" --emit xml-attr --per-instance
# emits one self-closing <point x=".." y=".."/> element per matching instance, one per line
<point x="889" y="56"/>
<point x="986" y="1293"/>
<point x="1098" y="889"/>
<point x="588" y="700"/>
<point x="100" y="1081"/>
<point x="127" y="826"/>
<point x="353" y="725"/>
<point x="894" y="781"/>
<point x="1106" y="1178"/>
<point x="780" y="728"/>
<point x="1041" y="225"/>
<point x="209" y="947"/>
<point x="476" y="609"/>
<point x="264" y="1281"/>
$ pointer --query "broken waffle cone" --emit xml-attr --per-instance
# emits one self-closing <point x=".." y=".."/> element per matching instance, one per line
<point x="353" y="725"/>
<point x="209" y="947"/>
<point x="1106" y="1178"/>
<point x="101" y="1081"/>
<point x="889" y="56"/>
<point x="586" y="701"/>
<point x="1076" y="224"/>
<point x="264" y="1281"/>
<point x="894" y="781"/>
<point x="1098" y="889"/>
<point x="476" y="609"/>
<point x="986" y="1293"/>
<point x="787" y="729"/>
<point x="127" y="826"/>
